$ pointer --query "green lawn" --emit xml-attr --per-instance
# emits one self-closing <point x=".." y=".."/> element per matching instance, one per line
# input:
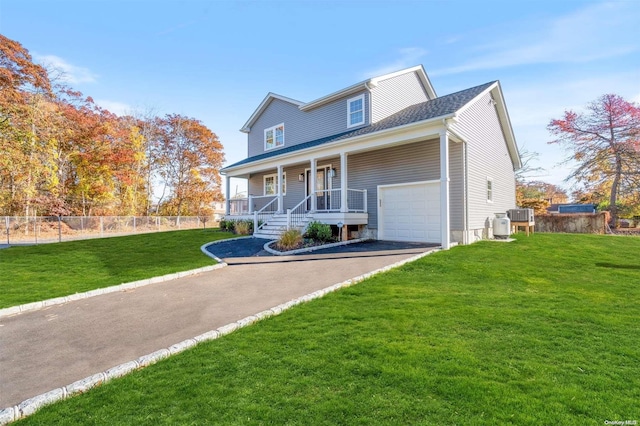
<point x="34" y="273"/>
<point x="542" y="331"/>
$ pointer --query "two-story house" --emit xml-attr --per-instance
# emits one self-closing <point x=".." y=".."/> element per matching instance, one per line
<point x="386" y="158"/>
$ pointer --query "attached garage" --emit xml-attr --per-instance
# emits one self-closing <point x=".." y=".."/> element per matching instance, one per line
<point x="409" y="212"/>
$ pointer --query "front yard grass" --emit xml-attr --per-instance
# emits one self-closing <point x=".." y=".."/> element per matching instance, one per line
<point x="34" y="273"/>
<point x="543" y="330"/>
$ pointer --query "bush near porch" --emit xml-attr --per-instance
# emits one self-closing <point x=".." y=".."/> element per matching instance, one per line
<point x="543" y="330"/>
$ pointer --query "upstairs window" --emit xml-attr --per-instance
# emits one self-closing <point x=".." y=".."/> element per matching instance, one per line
<point x="274" y="137"/>
<point x="355" y="115"/>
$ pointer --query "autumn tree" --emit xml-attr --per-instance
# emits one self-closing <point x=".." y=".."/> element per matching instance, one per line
<point x="61" y="153"/>
<point x="188" y="157"/>
<point x="604" y="141"/>
<point x="539" y="195"/>
<point x="25" y="93"/>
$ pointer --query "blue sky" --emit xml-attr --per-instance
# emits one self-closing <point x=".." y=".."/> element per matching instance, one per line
<point x="216" y="60"/>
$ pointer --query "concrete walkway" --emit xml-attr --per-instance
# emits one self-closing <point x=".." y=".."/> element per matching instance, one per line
<point x="53" y="347"/>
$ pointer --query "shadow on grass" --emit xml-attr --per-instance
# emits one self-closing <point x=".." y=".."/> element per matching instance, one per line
<point x="617" y="266"/>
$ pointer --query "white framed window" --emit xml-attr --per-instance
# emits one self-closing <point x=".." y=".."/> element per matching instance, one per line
<point x="489" y="190"/>
<point x="270" y="184"/>
<point x="274" y="137"/>
<point x="355" y="111"/>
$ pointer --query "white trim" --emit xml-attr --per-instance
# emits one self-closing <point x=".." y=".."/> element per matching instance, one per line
<point x="349" y="111"/>
<point x="273" y="129"/>
<point x="275" y="177"/>
<point x="263" y="105"/>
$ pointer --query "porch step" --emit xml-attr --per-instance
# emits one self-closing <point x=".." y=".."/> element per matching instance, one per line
<point x="275" y="227"/>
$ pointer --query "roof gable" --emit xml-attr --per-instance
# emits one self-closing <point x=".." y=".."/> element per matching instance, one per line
<point x="435" y="109"/>
<point x="363" y="85"/>
<point x="263" y="105"/>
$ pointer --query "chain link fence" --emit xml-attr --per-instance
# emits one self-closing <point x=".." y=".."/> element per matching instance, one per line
<point x="49" y="229"/>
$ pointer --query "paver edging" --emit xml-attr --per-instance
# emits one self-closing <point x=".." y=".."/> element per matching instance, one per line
<point x="31" y="405"/>
<point x="34" y="306"/>
<point x="310" y="249"/>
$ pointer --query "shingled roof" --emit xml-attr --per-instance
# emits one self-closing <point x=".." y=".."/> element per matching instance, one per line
<point x="438" y="107"/>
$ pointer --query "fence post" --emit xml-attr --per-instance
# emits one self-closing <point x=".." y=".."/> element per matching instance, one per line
<point x="6" y="221"/>
<point x="59" y="229"/>
<point x="101" y="227"/>
<point x="288" y="219"/>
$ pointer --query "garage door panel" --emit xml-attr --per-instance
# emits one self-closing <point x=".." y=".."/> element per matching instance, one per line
<point x="410" y="212"/>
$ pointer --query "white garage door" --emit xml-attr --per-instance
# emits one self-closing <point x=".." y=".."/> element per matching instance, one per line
<point x="409" y="212"/>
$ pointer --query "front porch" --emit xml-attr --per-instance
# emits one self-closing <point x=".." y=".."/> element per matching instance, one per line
<point x="326" y="206"/>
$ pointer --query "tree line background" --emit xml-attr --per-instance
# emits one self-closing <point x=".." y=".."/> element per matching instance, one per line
<point x="603" y="145"/>
<point x="61" y="154"/>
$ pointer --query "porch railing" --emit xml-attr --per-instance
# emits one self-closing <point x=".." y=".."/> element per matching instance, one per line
<point x="238" y="206"/>
<point x="261" y="216"/>
<point x="357" y="200"/>
<point x="330" y="200"/>
<point x="297" y="215"/>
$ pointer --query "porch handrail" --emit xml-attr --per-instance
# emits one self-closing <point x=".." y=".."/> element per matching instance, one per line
<point x="353" y="198"/>
<point x="298" y="214"/>
<point x="263" y="215"/>
<point x="334" y="199"/>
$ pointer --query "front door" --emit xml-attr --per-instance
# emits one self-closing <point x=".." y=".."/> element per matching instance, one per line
<point x="322" y="185"/>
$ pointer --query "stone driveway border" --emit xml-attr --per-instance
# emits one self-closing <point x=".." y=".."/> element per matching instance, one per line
<point x="31" y="405"/>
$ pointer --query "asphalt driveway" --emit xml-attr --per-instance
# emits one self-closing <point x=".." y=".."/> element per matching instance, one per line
<point x="53" y="347"/>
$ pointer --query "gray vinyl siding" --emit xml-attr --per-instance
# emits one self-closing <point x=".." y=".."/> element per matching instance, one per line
<point x="395" y="94"/>
<point x="487" y="157"/>
<point x="296" y="190"/>
<point x="302" y="126"/>
<point x="415" y="162"/>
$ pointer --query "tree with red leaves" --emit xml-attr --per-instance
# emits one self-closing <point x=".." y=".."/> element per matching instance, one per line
<point x="604" y="141"/>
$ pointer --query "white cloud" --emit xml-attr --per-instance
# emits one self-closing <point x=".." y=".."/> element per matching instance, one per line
<point x="408" y="57"/>
<point x="118" y="108"/>
<point x="67" y="72"/>
<point x="595" y="32"/>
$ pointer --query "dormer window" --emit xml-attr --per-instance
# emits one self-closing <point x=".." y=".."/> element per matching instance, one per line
<point x="355" y="113"/>
<point x="274" y="137"/>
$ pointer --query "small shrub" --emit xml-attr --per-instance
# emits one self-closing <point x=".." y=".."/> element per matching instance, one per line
<point x="289" y="240"/>
<point x="222" y="225"/>
<point x="319" y="231"/>
<point x="243" y="227"/>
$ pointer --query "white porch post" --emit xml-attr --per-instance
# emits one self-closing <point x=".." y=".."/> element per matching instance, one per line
<point x="227" y="207"/>
<point x="444" y="190"/>
<point x="344" y="207"/>
<point x="312" y="185"/>
<point x="279" y="186"/>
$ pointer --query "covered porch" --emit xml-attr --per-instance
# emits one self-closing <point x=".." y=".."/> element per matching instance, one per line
<point x="290" y="195"/>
